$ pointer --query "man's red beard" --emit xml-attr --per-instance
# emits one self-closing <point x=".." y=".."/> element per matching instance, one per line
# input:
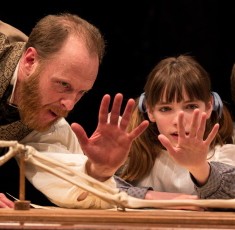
<point x="29" y="105"/>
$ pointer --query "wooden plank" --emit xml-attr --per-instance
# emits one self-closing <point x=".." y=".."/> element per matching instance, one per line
<point x="108" y="219"/>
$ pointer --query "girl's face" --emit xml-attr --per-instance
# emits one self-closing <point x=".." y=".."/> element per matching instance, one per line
<point x="166" y="115"/>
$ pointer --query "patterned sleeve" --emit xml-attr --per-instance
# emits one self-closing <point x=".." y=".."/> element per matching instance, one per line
<point x="138" y="192"/>
<point x="220" y="184"/>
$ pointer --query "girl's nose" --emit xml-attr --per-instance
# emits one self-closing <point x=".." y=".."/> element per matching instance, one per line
<point x="175" y="118"/>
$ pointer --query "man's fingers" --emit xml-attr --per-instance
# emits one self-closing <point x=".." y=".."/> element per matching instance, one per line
<point x="116" y="108"/>
<point x="104" y="109"/>
<point x="80" y="133"/>
<point x="138" y="130"/>
<point x="127" y="114"/>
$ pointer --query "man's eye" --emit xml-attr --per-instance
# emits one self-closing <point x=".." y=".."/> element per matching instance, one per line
<point x="64" y="84"/>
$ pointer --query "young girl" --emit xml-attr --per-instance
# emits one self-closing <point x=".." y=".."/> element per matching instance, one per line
<point x="188" y="146"/>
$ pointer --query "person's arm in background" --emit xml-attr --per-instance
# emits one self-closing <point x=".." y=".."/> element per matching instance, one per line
<point x="148" y="193"/>
<point x="5" y="202"/>
<point x="12" y="33"/>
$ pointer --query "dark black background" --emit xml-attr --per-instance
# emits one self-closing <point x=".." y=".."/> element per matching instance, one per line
<point x="138" y="35"/>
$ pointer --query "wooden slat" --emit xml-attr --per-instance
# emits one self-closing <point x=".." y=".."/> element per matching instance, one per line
<point x="108" y="219"/>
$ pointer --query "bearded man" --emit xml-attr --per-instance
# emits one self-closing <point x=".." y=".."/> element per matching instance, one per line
<point x="42" y="77"/>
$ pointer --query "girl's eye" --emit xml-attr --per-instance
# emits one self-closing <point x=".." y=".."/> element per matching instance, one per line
<point x="192" y="106"/>
<point x="164" y="109"/>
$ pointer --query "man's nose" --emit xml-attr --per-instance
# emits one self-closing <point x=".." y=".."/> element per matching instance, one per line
<point x="69" y="102"/>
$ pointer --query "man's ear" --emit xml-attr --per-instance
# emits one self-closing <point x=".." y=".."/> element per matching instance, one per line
<point x="30" y="60"/>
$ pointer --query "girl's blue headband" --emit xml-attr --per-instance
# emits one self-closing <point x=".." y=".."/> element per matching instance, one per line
<point x="218" y="104"/>
<point x="141" y="105"/>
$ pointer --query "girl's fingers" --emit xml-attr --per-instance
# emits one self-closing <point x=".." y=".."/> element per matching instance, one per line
<point x="194" y="124"/>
